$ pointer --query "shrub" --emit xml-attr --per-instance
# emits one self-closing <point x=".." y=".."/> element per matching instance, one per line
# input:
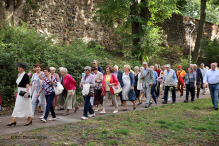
<point x="21" y="44"/>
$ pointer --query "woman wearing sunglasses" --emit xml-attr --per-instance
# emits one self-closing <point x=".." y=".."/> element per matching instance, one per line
<point x="88" y="78"/>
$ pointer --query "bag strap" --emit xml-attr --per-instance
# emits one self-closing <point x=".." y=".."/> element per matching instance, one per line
<point x="48" y="83"/>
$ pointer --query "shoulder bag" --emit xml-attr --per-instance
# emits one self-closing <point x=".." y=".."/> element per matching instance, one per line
<point x="116" y="89"/>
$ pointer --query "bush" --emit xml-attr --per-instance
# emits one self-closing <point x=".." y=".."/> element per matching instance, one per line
<point x="21" y="44"/>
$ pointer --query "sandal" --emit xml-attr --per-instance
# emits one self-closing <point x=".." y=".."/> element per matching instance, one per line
<point x="76" y="109"/>
<point x="65" y="114"/>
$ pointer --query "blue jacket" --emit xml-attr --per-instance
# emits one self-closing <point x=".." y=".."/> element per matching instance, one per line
<point x="100" y="70"/>
<point x="131" y="75"/>
<point x="119" y="76"/>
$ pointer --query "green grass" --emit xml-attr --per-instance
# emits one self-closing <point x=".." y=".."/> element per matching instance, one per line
<point x="181" y="124"/>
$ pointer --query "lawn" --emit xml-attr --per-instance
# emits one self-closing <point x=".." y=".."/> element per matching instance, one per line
<point x="180" y="124"/>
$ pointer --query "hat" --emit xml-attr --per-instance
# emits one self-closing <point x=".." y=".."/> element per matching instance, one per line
<point x="23" y="65"/>
<point x="93" y="68"/>
<point x="167" y="65"/>
<point x="144" y="63"/>
<point x="179" y="66"/>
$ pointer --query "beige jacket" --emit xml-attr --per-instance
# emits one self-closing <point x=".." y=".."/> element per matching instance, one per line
<point x="98" y="79"/>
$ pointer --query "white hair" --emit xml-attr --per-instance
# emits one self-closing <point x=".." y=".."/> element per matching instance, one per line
<point x="152" y="66"/>
<point x="52" y="68"/>
<point x="95" y="61"/>
<point x="116" y="66"/>
<point x="194" y="64"/>
<point x="156" y="65"/>
<point x="136" y="68"/>
<point x="64" y="70"/>
<point x="60" y="68"/>
<point x="88" y="67"/>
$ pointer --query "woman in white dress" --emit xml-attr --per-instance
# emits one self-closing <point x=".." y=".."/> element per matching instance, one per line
<point x="23" y="103"/>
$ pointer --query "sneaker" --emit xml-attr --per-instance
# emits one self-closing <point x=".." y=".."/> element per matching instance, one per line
<point x="173" y="102"/>
<point x="41" y="117"/>
<point x="52" y="119"/>
<point x="84" y="118"/>
<point x="102" y="112"/>
<point x="181" y="95"/>
<point x="43" y="120"/>
<point x="93" y="115"/>
<point x="203" y="93"/>
<point x="114" y="112"/>
<point x="197" y="97"/>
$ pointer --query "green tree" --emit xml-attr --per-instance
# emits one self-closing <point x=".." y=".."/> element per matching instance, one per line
<point x="136" y="19"/>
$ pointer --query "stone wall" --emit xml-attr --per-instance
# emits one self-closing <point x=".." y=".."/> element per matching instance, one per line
<point x="71" y="19"/>
<point x="176" y="33"/>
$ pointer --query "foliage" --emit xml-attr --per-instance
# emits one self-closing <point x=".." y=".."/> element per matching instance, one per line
<point x="126" y="14"/>
<point x="210" y="50"/>
<point x="20" y="44"/>
<point x="192" y="9"/>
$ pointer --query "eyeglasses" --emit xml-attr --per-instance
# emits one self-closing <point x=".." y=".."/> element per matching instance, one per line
<point x="85" y="69"/>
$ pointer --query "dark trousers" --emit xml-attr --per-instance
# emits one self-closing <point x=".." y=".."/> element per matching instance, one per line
<point x="192" y="92"/>
<point x="49" y="107"/>
<point x="158" y="90"/>
<point x="87" y="106"/>
<point x="153" y="90"/>
<point x="198" y="89"/>
<point x="173" y="93"/>
<point x="180" y="87"/>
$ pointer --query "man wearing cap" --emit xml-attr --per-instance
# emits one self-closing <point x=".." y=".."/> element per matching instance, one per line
<point x="147" y="77"/>
<point x="170" y="83"/>
<point x="199" y="78"/>
<point x="203" y="71"/>
<point x="212" y="76"/>
<point x="181" y="74"/>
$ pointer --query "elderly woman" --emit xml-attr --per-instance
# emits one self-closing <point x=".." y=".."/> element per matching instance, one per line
<point x="37" y="79"/>
<point x="109" y="80"/>
<point x="70" y="85"/>
<point x="190" y="83"/>
<point x="52" y="71"/>
<point x="22" y="105"/>
<point x="128" y="82"/>
<point x="47" y="86"/>
<point x="88" y="78"/>
<point x="138" y="84"/>
<point x="98" y="98"/>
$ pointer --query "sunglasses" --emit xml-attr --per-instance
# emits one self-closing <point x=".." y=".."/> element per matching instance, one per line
<point x="86" y="70"/>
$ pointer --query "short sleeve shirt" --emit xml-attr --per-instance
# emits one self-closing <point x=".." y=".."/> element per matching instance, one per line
<point x="25" y="80"/>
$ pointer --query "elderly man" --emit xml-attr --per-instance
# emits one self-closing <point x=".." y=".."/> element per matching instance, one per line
<point x="157" y="92"/>
<point x="170" y="80"/>
<point x="199" y="78"/>
<point x="63" y="95"/>
<point x="147" y="77"/>
<point x="203" y="71"/>
<point x="181" y="74"/>
<point x="119" y="74"/>
<point x="95" y="64"/>
<point x="212" y="76"/>
<point x="153" y="89"/>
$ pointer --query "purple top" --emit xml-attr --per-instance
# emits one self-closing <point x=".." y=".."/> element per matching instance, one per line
<point x="195" y="72"/>
<point x="88" y="80"/>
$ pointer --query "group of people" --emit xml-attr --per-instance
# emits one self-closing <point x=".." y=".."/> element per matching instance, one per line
<point x="142" y="82"/>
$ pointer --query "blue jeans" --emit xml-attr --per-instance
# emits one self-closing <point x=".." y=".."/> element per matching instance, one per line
<point x="158" y="90"/>
<point x="49" y="107"/>
<point x="87" y="106"/>
<point x="214" y="91"/>
<point x="153" y="90"/>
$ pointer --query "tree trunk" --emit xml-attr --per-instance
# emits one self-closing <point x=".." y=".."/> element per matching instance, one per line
<point x="200" y="31"/>
<point x="9" y="10"/>
<point x="135" y="28"/>
<point x="18" y="11"/>
<point x="1" y="12"/>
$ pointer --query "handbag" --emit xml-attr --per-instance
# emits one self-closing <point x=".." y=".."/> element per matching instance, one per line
<point x="58" y="89"/>
<point x="98" y="88"/>
<point x="23" y="94"/>
<point x="117" y="89"/>
<point x="70" y="92"/>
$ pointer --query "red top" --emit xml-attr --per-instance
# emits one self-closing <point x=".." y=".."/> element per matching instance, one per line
<point x="113" y="79"/>
<point x="158" y="72"/>
<point x="69" y="83"/>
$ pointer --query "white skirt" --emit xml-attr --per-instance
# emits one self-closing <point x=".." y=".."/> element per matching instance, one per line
<point x="23" y="107"/>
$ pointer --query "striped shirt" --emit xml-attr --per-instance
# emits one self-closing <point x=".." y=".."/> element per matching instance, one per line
<point x="47" y="85"/>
